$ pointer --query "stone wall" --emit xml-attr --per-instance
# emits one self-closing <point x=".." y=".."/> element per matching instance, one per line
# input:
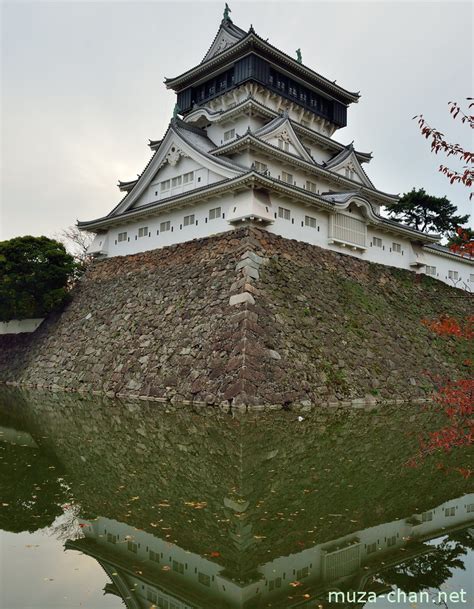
<point x="244" y="318"/>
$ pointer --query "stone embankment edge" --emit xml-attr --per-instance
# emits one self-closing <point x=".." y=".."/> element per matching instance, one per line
<point x="244" y="295"/>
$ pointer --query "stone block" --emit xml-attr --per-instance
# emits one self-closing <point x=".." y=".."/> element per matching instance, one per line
<point x="237" y="299"/>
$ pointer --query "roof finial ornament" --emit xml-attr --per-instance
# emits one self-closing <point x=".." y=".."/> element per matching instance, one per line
<point x="227" y="10"/>
<point x="175" y="111"/>
<point x="299" y="57"/>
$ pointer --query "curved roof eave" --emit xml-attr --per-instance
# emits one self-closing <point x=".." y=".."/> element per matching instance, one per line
<point x="252" y="177"/>
<point x="250" y="138"/>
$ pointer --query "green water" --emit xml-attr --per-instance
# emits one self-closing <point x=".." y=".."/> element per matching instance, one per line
<point x="109" y="504"/>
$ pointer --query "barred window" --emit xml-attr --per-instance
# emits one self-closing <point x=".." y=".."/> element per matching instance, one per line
<point x="188" y="220"/>
<point x="311" y="186"/>
<point x="188" y="177"/>
<point x="377" y="242"/>
<point x="122" y="237"/>
<point x="310" y="221"/>
<point x="349" y="230"/>
<point x="287" y="177"/>
<point x="284" y="213"/>
<point x="204" y="579"/>
<point x="165" y="185"/>
<point x="164" y="226"/>
<point x="214" y="213"/>
<point x="228" y="135"/>
<point x="396" y="247"/>
<point x="431" y="270"/>
<point x="143" y="231"/>
<point x="176" y="181"/>
<point x="260" y="166"/>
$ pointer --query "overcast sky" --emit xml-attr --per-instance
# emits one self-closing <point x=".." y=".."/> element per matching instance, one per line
<point x="82" y="90"/>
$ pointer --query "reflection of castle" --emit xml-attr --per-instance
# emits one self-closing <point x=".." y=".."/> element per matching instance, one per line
<point x="147" y="571"/>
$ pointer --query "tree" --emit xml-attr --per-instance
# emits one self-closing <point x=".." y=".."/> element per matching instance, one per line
<point x="439" y="144"/>
<point x="427" y="213"/>
<point x="35" y="275"/>
<point x="462" y="242"/>
<point x="77" y="243"/>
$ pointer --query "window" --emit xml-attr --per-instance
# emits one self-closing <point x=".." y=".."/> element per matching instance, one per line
<point x="151" y="595"/>
<point x="274" y="583"/>
<point x="228" y="135"/>
<point x="204" y="579"/>
<point x="165" y="185"/>
<point x="122" y="237"/>
<point x="391" y="541"/>
<point x="396" y="247"/>
<point x="287" y="177"/>
<point x="449" y="511"/>
<point x="214" y="213"/>
<point x="260" y="166"/>
<point x="154" y="556"/>
<point x="470" y="508"/>
<point x="164" y="226"/>
<point x="132" y="547"/>
<point x="431" y="270"/>
<point x="311" y="186"/>
<point x="301" y="573"/>
<point x="111" y="538"/>
<point x="143" y="231"/>
<point x="348" y="230"/>
<point x="349" y="173"/>
<point x="377" y="242"/>
<point x="372" y="547"/>
<point x="284" y="213"/>
<point x="178" y="567"/>
<point x="176" y="181"/>
<point x="188" y="177"/>
<point x="427" y="516"/>
<point x="188" y="220"/>
<point x="310" y="221"/>
<point x="283" y="145"/>
<point x="453" y="275"/>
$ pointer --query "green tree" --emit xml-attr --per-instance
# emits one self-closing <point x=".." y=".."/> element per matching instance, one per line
<point x="35" y="274"/>
<point x="427" y="213"/>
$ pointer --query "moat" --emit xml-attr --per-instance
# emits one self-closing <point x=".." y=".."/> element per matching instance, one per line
<point x="108" y="503"/>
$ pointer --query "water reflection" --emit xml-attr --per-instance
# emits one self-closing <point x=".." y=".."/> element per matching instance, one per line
<point x="186" y="509"/>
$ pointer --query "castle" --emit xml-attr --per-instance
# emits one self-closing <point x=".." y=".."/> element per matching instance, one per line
<point x="251" y="141"/>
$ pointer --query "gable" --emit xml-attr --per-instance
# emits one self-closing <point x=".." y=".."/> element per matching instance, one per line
<point x="174" y="158"/>
<point x="284" y="137"/>
<point x="227" y="35"/>
<point x="347" y="165"/>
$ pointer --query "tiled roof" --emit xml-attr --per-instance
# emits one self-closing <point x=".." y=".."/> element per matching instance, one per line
<point x="253" y="40"/>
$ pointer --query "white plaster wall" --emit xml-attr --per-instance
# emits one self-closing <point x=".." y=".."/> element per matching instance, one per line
<point x="17" y="326"/>
<point x="215" y="131"/>
<point x="179" y="233"/>
<point x="295" y="228"/>
<point x="444" y="264"/>
<point x="202" y="177"/>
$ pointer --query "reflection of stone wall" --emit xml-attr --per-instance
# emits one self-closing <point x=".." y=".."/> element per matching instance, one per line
<point x="304" y="325"/>
<point x="249" y="488"/>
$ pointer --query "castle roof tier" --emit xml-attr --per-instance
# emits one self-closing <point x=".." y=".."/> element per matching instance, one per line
<point x="236" y="58"/>
<point x="251" y="140"/>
